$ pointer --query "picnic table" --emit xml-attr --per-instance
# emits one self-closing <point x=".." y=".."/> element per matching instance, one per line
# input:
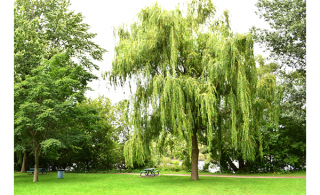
<point x="149" y="172"/>
<point x="42" y="170"/>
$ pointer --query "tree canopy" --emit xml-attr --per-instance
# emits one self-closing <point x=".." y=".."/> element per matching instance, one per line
<point x="53" y="56"/>
<point x="287" y="41"/>
<point x="46" y="98"/>
<point x="192" y="74"/>
<point x="45" y="28"/>
<point x="287" y="38"/>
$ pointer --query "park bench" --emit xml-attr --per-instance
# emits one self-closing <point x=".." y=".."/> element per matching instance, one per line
<point x="42" y="170"/>
<point x="157" y="171"/>
<point x="143" y="172"/>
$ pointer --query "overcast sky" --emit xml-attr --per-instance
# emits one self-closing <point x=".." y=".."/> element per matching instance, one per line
<point x="103" y="15"/>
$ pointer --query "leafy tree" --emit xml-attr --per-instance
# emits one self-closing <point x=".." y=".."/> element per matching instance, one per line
<point x="194" y="72"/>
<point x="45" y="100"/>
<point x="223" y="142"/>
<point x="290" y="146"/>
<point x="22" y="148"/>
<point x="286" y="145"/>
<point x="287" y="38"/>
<point x="103" y="138"/>
<point x="76" y="141"/>
<point x="287" y="41"/>
<point x="43" y="29"/>
<point x="122" y="130"/>
<point x="121" y="121"/>
<point x="96" y="146"/>
<point x="92" y="140"/>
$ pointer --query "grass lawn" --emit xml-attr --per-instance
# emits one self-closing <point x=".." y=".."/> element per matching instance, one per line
<point x="82" y="183"/>
<point x="302" y="173"/>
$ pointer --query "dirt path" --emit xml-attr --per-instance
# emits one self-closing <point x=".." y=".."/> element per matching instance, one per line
<point x="238" y="176"/>
<point x="235" y="176"/>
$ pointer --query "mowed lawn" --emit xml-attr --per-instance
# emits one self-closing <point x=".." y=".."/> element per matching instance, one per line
<point x="81" y="183"/>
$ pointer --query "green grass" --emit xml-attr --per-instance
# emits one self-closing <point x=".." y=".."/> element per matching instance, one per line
<point x="302" y="173"/>
<point x="82" y="183"/>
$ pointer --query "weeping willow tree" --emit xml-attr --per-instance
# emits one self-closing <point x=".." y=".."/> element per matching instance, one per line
<point x="190" y="70"/>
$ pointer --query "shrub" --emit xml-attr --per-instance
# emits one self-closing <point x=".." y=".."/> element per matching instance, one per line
<point x="176" y="163"/>
<point x="166" y="161"/>
<point x="186" y="163"/>
<point x="206" y="166"/>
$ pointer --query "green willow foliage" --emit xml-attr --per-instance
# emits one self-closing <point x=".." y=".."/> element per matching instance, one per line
<point x="190" y="69"/>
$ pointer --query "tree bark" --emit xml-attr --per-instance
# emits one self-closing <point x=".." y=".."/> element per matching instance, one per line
<point x="241" y="164"/>
<point x="36" y="166"/>
<point x="195" y="155"/>
<point x="24" y="162"/>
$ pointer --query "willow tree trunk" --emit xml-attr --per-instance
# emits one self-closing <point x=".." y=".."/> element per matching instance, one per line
<point x="24" y="162"/>
<point x="241" y="164"/>
<point x="36" y="166"/>
<point x="195" y="155"/>
<point x="233" y="166"/>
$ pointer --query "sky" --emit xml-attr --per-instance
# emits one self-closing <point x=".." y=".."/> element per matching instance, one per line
<point x="103" y="16"/>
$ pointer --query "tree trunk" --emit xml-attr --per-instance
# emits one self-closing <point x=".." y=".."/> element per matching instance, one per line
<point x="36" y="166"/>
<point x="195" y="155"/>
<point x="88" y="169"/>
<point x="234" y="167"/>
<point x="241" y="164"/>
<point x="24" y="162"/>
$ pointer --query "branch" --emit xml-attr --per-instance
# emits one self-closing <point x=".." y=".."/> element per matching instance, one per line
<point x="225" y="113"/>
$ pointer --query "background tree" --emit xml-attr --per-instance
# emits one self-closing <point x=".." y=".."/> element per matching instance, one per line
<point x="22" y="149"/>
<point x="76" y="143"/>
<point x="123" y="130"/>
<point x="287" y="41"/>
<point x="194" y="71"/>
<point x="43" y="29"/>
<point x="21" y="156"/>
<point x="282" y="147"/>
<point x="227" y="154"/>
<point x="104" y="137"/>
<point x="89" y="142"/>
<point x="287" y="38"/>
<point x="121" y="121"/>
<point x="288" y="145"/>
<point x="46" y="98"/>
